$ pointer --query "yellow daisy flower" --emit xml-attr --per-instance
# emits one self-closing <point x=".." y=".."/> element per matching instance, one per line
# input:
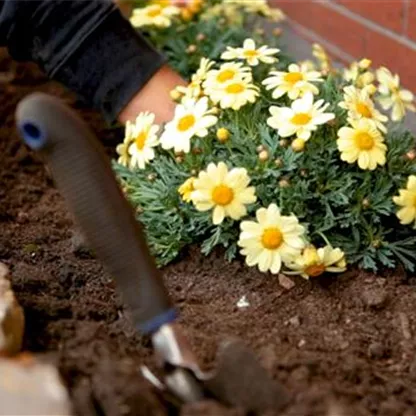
<point x="323" y="58"/>
<point x="235" y="94"/>
<point x="225" y="192"/>
<point x="192" y="118"/>
<point x="302" y="118"/>
<point x="314" y="262"/>
<point x="251" y="54"/>
<point x="123" y="151"/>
<point x="359" y="105"/>
<point x="407" y="200"/>
<point x="194" y="88"/>
<point x="258" y="6"/>
<point x="358" y="74"/>
<point x="216" y="79"/>
<point x="362" y="142"/>
<point x="295" y="83"/>
<point x="153" y="15"/>
<point x="143" y="138"/>
<point x="392" y="96"/>
<point x="271" y="240"/>
<point x="186" y="189"/>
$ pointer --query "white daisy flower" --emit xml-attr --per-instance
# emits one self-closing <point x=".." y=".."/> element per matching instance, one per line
<point x="216" y="79"/>
<point x="359" y="105"/>
<point x="235" y="94"/>
<point x="194" y="88"/>
<point x="393" y="96"/>
<point x="153" y="15"/>
<point x="301" y="119"/>
<point x="251" y="54"/>
<point x="225" y="192"/>
<point x="271" y="240"/>
<point x="192" y="118"/>
<point x="295" y="83"/>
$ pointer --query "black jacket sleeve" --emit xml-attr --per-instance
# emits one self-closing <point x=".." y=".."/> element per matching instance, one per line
<point x="87" y="45"/>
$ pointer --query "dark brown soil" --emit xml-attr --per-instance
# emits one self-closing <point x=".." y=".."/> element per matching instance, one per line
<point x="342" y="345"/>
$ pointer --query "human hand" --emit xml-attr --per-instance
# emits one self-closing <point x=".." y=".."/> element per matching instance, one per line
<point x="155" y="97"/>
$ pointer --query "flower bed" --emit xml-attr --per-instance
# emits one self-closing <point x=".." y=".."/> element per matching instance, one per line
<point x="300" y="167"/>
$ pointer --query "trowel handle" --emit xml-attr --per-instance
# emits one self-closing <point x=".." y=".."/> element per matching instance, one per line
<point x="84" y="176"/>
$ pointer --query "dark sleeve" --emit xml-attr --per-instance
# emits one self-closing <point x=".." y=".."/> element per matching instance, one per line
<point x="87" y="45"/>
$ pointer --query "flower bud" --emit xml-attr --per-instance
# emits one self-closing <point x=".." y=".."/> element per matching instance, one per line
<point x="365" y="203"/>
<point x="298" y="144"/>
<point x="200" y="37"/>
<point x="179" y="159"/>
<point x="277" y="31"/>
<point x="151" y="177"/>
<point x="278" y="162"/>
<point x="223" y="134"/>
<point x="263" y="155"/>
<point x="284" y="183"/>
<point x="175" y="95"/>
<point x="411" y="155"/>
<point x="260" y="148"/>
<point x="284" y="143"/>
<point x="365" y="63"/>
<point x="191" y="48"/>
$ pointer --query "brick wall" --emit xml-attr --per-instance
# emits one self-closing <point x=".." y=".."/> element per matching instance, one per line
<point x="382" y="30"/>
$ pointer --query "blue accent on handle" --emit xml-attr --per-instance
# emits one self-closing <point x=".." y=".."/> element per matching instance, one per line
<point x="33" y="135"/>
<point x="155" y="323"/>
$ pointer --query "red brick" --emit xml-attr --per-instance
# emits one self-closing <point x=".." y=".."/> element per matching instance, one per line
<point x="387" y="13"/>
<point x="411" y="19"/>
<point x="354" y="38"/>
<point x="338" y="29"/>
<point x="399" y="58"/>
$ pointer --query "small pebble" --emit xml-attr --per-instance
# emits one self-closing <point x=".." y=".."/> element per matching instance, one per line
<point x="301" y="343"/>
<point x="285" y="282"/>
<point x="294" y="321"/>
<point x="243" y="302"/>
<point x="374" y="297"/>
<point x="376" y="350"/>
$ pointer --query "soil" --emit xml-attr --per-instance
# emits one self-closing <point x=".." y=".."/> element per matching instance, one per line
<point x="342" y="345"/>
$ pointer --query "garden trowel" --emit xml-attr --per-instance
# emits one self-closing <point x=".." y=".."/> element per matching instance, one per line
<point x="84" y="176"/>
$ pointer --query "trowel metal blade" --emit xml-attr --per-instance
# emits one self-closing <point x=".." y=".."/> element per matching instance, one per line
<point x="241" y="381"/>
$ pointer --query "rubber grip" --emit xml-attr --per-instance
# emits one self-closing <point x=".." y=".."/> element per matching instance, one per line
<point x="84" y="176"/>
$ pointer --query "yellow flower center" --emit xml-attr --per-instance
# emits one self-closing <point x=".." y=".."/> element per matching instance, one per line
<point x="156" y="11"/>
<point x="364" y="110"/>
<point x="272" y="238"/>
<point x="293" y="77"/>
<point x="301" y="119"/>
<point x="226" y="75"/>
<point x="235" y="88"/>
<point x="315" y="270"/>
<point x="364" y="141"/>
<point x="186" y="122"/>
<point x="250" y="53"/>
<point x="222" y="194"/>
<point x="141" y="139"/>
